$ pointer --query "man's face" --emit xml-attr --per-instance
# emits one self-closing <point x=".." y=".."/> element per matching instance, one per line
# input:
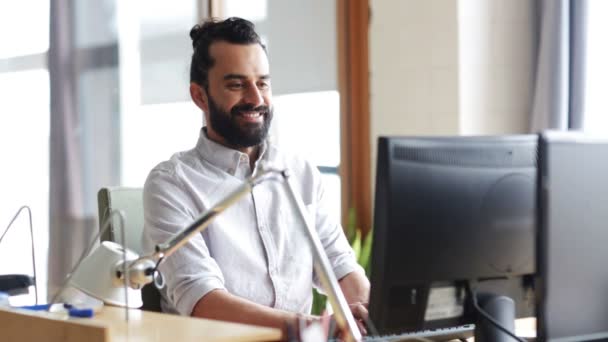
<point x="239" y="107"/>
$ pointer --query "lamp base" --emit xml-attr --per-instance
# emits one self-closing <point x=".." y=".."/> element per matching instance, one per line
<point x="80" y="299"/>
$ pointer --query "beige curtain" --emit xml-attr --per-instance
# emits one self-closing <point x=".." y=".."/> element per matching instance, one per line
<point x="560" y="72"/>
<point x="71" y="227"/>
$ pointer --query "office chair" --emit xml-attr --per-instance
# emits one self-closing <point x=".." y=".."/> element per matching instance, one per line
<point x="130" y="201"/>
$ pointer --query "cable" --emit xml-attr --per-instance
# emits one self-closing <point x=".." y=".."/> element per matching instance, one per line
<point x="29" y="211"/>
<point x="487" y="316"/>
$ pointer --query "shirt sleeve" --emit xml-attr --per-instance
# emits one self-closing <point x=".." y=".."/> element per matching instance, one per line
<point x="190" y="273"/>
<point x="339" y="252"/>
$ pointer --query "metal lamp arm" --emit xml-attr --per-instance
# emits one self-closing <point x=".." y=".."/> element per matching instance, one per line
<point x="343" y="315"/>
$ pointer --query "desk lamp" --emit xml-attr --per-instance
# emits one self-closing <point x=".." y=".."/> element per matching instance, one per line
<point x="143" y="270"/>
<point x="108" y="258"/>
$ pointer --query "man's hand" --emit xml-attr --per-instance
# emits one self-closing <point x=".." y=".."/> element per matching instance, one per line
<point x="361" y="315"/>
<point x="359" y="311"/>
<point x="355" y="287"/>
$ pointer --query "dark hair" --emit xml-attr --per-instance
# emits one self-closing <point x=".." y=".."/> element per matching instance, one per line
<point x="232" y="30"/>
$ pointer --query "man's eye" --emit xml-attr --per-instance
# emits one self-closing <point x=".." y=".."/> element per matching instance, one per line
<point x="263" y="85"/>
<point x="235" y="85"/>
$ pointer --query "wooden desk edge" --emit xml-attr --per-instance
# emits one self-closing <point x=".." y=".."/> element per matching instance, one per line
<point x="24" y="325"/>
<point x="109" y="325"/>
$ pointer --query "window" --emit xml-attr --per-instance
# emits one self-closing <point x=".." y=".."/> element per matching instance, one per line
<point x="157" y="117"/>
<point x="595" y="103"/>
<point x="161" y="130"/>
<point x="309" y="124"/>
<point x="24" y="37"/>
<point x="24" y="138"/>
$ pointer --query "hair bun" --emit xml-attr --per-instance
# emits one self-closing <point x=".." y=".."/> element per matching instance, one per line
<point x="195" y="34"/>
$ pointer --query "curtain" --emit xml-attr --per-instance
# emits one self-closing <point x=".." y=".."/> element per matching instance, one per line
<point x="560" y="70"/>
<point x="69" y="230"/>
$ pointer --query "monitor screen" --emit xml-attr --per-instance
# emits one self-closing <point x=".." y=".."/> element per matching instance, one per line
<point x="573" y="233"/>
<point x="450" y="210"/>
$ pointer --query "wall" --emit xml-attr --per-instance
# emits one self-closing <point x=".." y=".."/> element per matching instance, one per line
<point x="446" y="67"/>
<point x="413" y="67"/>
<point x="496" y="65"/>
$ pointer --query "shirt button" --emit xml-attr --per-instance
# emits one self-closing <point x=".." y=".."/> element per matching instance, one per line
<point x="243" y="158"/>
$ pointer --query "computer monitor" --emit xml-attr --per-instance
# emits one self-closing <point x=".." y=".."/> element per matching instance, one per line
<point x="449" y="211"/>
<point x="573" y="236"/>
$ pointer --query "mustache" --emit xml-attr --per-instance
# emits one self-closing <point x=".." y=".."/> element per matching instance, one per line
<point x="239" y="109"/>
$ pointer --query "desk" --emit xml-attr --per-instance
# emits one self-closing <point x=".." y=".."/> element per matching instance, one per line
<point x="109" y="325"/>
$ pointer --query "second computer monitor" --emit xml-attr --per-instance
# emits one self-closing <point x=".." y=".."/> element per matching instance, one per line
<point x="573" y="234"/>
<point x="450" y="210"/>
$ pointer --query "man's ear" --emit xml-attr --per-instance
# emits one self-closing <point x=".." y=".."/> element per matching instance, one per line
<point x="199" y="96"/>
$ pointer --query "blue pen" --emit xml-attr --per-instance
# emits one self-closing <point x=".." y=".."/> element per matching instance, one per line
<point x="83" y="313"/>
<point x="39" y="307"/>
<point x="70" y="309"/>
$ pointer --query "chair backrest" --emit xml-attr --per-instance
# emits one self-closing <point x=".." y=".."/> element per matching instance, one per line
<point x="130" y="201"/>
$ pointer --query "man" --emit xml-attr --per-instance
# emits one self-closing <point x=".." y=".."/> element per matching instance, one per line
<point x="252" y="264"/>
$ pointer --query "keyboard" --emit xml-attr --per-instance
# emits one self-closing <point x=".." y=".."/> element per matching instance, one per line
<point x="446" y="334"/>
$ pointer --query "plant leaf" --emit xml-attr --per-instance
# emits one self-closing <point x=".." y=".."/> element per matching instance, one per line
<point x="319" y="302"/>
<point x="366" y="249"/>
<point x="356" y="244"/>
<point x="351" y="225"/>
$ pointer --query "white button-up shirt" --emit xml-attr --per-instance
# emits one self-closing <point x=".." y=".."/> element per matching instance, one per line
<point x="256" y="249"/>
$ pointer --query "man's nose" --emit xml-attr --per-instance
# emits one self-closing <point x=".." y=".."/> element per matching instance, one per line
<point x="254" y="97"/>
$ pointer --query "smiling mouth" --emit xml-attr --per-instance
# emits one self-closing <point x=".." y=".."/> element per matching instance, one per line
<point x="251" y="116"/>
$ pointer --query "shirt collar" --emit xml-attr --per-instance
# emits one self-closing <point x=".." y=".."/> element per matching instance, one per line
<point x="225" y="158"/>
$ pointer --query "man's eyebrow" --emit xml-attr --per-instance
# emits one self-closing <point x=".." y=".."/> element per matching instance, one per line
<point x="234" y="77"/>
<point x="242" y="77"/>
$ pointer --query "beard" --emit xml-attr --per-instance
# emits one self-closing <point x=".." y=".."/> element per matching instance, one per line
<point x="239" y="134"/>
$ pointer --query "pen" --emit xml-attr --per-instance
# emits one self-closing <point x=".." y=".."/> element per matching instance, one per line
<point x="59" y="307"/>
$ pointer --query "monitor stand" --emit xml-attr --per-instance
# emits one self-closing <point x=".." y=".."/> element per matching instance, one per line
<point x="502" y="309"/>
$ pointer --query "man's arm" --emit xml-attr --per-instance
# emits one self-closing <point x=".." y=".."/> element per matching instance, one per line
<point x="355" y="287"/>
<point x="221" y="305"/>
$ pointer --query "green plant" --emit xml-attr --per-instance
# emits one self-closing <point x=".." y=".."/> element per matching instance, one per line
<point x="362" y="248"/>
<point x="319" y="302"/>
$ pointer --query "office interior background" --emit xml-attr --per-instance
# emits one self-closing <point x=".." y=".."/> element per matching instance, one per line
<point x="95" y="93"/>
